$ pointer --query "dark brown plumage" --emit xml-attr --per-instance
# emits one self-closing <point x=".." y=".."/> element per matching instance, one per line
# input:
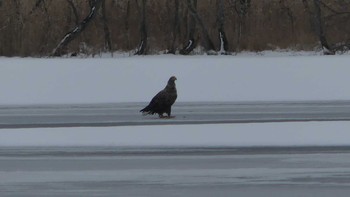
<point x="161" y="103"/>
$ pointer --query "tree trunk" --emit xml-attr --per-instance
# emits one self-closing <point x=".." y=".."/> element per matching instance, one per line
<point x="108" y="42"/>
<point x="241" y="7"/>
<point x="208" y="43"/>
<point x="291" y="17"/>
<point x="19" y="25"/>
<point x="176" y="27"/>
<point x="142" y="49"/>
<point x="127" y="26"/>
<point x="48" y="27"/>
<point x="59" y="50"/>
<point x="221" y="29"/>
<point x="319" y="24"/>
<point x="191" y="28"/>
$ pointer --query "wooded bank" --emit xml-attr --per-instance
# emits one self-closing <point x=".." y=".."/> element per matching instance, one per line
<point x="60" y="27"/>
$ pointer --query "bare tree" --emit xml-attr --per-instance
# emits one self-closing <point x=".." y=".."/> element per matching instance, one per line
<point x="143" y="29"/>
<point x="241" y="7"/>
<point x="318" y="20"/>
<point x="108" y="42"/>
<point x="19" y="25"/>
<point x="221" y="25"/>
<point x="45" y="41"/>
<point x="342" y="14"/>
<point x="208" y="43"/>
<point x="288" y="11"/>
<point x="196" y="19"/>
<point x="49" y="27"/>
<point x="320" y="28"/>
<point x="191" y="28"/>
<point x="94" y="6"/>
<point x="176" y="26"/>
<point x="127" y="25"/>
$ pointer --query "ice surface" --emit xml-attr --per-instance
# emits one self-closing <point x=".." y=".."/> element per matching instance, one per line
<point x="200" y="78"/>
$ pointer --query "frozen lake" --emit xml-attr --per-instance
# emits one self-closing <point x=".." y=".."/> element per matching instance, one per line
<point x="175" y="171"/>
<point x="50" y="167"/>
<point x="127" y="114"/>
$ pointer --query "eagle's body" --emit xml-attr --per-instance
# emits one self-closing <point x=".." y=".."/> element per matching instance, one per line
<point x="161" y="103"/>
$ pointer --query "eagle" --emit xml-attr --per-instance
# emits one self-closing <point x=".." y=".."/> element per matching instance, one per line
<point x="161" y="103"/>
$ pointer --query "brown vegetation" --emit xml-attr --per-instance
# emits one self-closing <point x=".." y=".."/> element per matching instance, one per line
<point x="36" y="27"/>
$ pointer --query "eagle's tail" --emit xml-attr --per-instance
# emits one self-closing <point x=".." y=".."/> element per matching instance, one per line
<point x="146" y="110"/>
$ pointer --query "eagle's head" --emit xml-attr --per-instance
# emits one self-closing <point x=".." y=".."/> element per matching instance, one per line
<point x="172" y="78"/>
<point x="171" y="82"/>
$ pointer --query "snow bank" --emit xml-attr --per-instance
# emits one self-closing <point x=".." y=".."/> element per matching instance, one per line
<point x="260" y="134"/>
<point x="200" y="78"/>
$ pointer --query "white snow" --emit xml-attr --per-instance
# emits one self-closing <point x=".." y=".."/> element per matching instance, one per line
<point x="257" y="134"/>
<point x="200" y="78"/>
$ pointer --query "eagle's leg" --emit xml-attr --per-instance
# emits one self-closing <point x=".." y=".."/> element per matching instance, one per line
<point x="166" y="117"/>
<point x="168" y="112"/>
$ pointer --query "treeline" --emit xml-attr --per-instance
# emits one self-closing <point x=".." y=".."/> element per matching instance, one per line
<point x="61" y="27"/>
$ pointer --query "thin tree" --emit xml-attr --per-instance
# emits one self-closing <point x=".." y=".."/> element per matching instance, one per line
<point x="241" y="7"/>
<point x="94" y="6"/>
<point x="191" y="28"/>
<point x="343" y="46"/>
<point x="141" y="50"/>
<point x="127" y="25"/>
<point x="288" y="11"/>
<point x="320" y="29"/>
<point x="176" y="27"/>
<point x="208" y="43"/>
<point x="221" y="27"/>
<point x="19" y="25"/>
<point x="108" y="42"/>
<point x="45" y="41"/>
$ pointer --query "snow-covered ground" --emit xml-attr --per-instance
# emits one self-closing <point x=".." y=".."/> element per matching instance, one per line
<point x="257" y="134"/>
<point x="200" y="78"/>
